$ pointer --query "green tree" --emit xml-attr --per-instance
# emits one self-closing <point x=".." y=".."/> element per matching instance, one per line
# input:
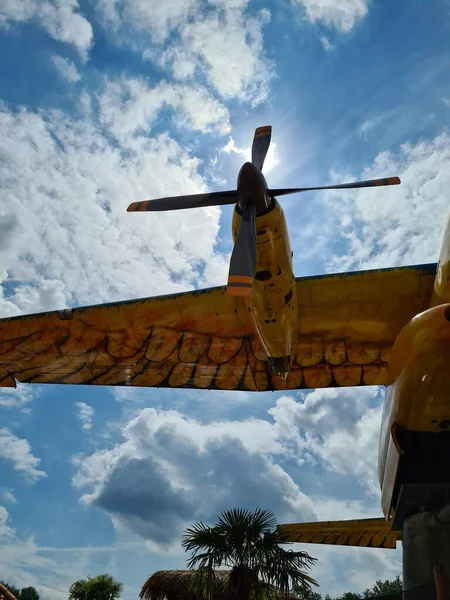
<point x="29" y="593"/>
<point x="101" y="587"/>
<point x="306" y="593"/>
<point x="248" y="544"/>
<point x="383" y="588"/>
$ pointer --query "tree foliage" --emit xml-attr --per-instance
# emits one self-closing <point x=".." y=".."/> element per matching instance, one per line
<point x="248" y="544"/>
<point x="101" y="587"/>
<point x="29" y="593"/>
<point x="26" y="593"/>
<point x="379" y="590"/>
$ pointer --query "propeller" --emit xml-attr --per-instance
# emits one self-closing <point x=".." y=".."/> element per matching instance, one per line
<point x="261" y="143"/>
<point x="243" y="257"/>
<point x="340" y="186"/>
<point x="251" y="185"/>
<point x="180" y="202"/>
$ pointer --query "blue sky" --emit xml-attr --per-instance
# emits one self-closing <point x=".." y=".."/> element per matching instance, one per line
<point x="107" y="102"/>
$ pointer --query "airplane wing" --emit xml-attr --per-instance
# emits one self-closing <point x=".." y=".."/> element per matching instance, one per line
<point x="195" y="339"/>
<point x="373" y="533"/>
<point x="204" y="339"/>
<point x="348" y="323"/>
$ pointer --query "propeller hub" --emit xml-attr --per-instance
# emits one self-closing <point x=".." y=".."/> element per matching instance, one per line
<point x="252" y="188"/>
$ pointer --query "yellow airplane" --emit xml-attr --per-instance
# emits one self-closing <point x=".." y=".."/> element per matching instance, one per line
<point x="267" y="330"/>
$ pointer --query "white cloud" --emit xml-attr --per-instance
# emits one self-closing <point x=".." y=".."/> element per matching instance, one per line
<point x="340" y="569"/>
<point x="340" y="14"/>
<point x="60" y="19"/>
<point x="328" y="46"/>
<point x="398" y="225"/>
<point x="68" y="184"/>
<point x="66" y="69"/>
<point x="446" y="101"/>
<point x="7" y="496"/>
<point x="173" y="470"/>
<point x="18" y="451"/>
<point x="85" y="414"/>
<point x="51" y="570"/>
<point x="17" y="397"/>
<point x="154" y="18"/>
<point x="327" y="425"/>
<point x="129" y="106"/>
<point x="228" y="47"/>
<point x="223" y="44"/>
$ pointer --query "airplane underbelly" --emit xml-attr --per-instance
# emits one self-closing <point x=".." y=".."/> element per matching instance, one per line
<point x="272" y="304"/>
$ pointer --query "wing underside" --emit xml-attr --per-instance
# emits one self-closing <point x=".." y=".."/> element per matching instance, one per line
<point x="204" y="340"/>
<point x="373" y="533"/>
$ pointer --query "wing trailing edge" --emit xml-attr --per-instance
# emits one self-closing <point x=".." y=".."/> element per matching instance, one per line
<point x="371" y="533"/>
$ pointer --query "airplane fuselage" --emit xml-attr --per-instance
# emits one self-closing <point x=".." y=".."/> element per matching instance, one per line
<point x="414" y="441"/>
<point x="272" y="304"/>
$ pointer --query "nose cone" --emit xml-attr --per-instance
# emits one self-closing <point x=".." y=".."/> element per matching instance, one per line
<point x="250" y="178"/>
<point x="252" y="187"/>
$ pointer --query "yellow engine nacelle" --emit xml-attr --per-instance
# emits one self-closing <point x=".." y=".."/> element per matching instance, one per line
<point x="415" y="427"/>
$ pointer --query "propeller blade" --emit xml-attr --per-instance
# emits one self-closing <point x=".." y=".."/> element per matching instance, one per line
<point x="341" y="186"/>
<point x="181" y="202"/>
<point x="261" y="142"/>
<point x="243" y="257"/>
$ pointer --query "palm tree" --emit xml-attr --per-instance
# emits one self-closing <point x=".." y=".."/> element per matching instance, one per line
<point x="101" y="587"/>
<point x="249" y="544"/>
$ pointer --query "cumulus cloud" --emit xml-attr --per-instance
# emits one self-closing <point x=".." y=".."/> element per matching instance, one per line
<point x="18" y="451"/>
<point x="66" y="69"/>
<point x="61" y="19"/>
<point x="67" y="184"/>
<point x="326" y="426"/>
<point x="342" y="15"/>
<point x="221" y="42"/>
<point x="129" y="106"/>
<point x="171" y="470"/>
<point x="228" y="46"/>
<point x="404" y="225"/>
<point x="84" y="414"/>
<point x="17" y="397"/>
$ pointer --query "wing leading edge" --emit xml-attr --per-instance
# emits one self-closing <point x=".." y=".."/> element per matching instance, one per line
<point x="204" y="339"/>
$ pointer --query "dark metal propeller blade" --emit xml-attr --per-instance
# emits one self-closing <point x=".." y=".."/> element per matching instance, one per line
<point x="181" y="202"/>
<point x="243" y="257"/>
<point x="261" y="143"/>
<point x="341" y="186"/>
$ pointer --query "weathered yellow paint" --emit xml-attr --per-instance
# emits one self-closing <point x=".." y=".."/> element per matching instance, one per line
<point x="272" y="305"/>
<point x="345" y="330"/>
<point x="417" y="397"/>
<point x="374" y="533"/>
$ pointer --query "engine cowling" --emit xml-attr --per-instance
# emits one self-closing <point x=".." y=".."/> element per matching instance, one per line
<point x="415" y="430"/>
